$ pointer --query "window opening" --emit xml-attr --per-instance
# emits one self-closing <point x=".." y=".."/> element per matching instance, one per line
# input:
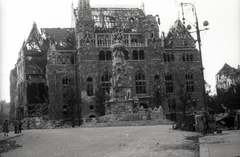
<point x="140" y="83"/>
<point x="89" y="86"/>
<point x="169" y="83"/>
<point x="106" y="82"/>
<point x="189" y="82"/>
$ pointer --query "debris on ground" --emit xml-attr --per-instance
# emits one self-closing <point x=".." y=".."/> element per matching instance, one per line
<point x="6" y="145"/>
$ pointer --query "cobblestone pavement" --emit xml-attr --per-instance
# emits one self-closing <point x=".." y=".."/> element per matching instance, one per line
<point x="131" y="141"/>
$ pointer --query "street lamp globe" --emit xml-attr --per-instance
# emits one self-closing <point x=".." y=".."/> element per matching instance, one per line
<point x="189" y="27"/>
<point x="205" y="23"/>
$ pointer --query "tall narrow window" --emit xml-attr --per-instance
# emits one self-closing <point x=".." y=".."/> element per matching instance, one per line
<point x="183" y="57"/>
<point x="101" y="55"/>
<point x="108" y="55"/>
<point x="105" y="80"/>
<point x="173" y="104"/>
<point x="138" y="55"/>
<point x="169" y="83"/>
<point x="126" y="57"/>
<point x="89" y="86"/>
<point x="189" y="82"/>
<point x="141" y="55"/>
<point x="65" y="84"/>
<point x="135" y="55"/>
<point x="140" y="83"/>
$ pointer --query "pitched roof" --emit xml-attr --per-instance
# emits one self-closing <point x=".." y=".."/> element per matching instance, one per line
<point x="178" y="32"/>
<point x="226" y="68"/>
<point x="63" y="38"/>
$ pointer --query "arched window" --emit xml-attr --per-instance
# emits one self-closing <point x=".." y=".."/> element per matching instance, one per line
<point x="138" y="55"/>
<point x="165" y="57"/>
<point x="89" y="86"/>
<point x="65" y="111"/>
<point x="65" y="84"/>
<point x="189" y="82"/>
<point x="140" y="82"/>
<point x="172" y="57"/>
<point x="101" y="55"/>
<point x="108" y="55"/>
<point x="169" y="83"/>
<point x="173" y="104"/>
<point x="141" y="55"/>
<point x="105" y="81"/>
<point x="135" y="55"/>
<point x="183" y="57"/>
<point x="191" y="57"/>
<point x="126" y="57"/>
<point x="188" y="57"/>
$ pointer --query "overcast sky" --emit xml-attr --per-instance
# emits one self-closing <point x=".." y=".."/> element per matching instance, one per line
<point x="220" y="44"/>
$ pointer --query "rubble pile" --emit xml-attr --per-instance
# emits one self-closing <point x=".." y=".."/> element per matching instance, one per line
<point x="107" y="121"/>
<point x="6" y="145"/>
<point x="42" y="123"/>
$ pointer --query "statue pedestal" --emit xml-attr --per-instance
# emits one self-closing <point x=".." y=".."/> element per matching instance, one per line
<point x="121" y="106"/>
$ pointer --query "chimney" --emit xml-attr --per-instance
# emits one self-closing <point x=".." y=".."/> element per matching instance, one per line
<point x="238" y="67"/>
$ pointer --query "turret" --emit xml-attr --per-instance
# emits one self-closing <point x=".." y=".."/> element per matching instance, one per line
<point x="85" y="25"/>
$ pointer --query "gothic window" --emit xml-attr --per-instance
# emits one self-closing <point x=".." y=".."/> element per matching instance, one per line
<point x="189" y="82"/>
<point x="72" y="60"/>
<point x="173" y="104"/>
<point x="138" y="55"/>
<point x="65" y="84"/>
<point x="108" y="55"/>
<point x="89" y="86"/>
<point x="126" y="57"/>
<point x="183" y="57"/>
<point x="141" y="54"/>
<point x="172" y="57"/>
<point x="187" y="57"/>
<point x="191" y="57"/>
<point x="169" y="83"/>
<point x="105" y="81"/>
<point x="135" y="55"/>
<point x="140" y="83"/>
<point x="165" y="57"/>
<point x="65" y="111"/>
<point x="103" y="56"/>
<point x="168" y="57"/>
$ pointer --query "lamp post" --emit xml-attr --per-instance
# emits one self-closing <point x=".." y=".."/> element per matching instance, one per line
<point x="205" y="23"/>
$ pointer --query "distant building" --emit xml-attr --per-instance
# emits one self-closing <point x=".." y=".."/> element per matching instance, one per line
<point x="227" y="76"/>
<point x="58" y="62"/>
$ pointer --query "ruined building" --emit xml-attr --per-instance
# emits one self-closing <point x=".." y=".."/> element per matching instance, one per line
<point x="227" y="76"/>
<point x="68" y="73"/>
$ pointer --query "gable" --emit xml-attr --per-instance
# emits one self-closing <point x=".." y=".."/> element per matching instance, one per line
<point x="179" y="36"/>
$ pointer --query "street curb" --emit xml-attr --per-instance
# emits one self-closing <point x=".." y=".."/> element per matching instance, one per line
<point x="12" y="137"/>
<point x="204" y="151"/>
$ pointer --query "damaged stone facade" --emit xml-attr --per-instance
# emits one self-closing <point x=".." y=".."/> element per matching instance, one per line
<point x="58" y="70"/>
<point x="227" y="76"/>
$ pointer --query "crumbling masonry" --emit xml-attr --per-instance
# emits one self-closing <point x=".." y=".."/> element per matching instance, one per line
<point x="59" y="70"/>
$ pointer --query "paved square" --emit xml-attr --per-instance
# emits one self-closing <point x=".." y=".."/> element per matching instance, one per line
<point x="131" y="141"/>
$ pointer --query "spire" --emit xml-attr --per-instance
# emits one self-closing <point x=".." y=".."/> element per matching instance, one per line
<point x="83" y="4"/>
